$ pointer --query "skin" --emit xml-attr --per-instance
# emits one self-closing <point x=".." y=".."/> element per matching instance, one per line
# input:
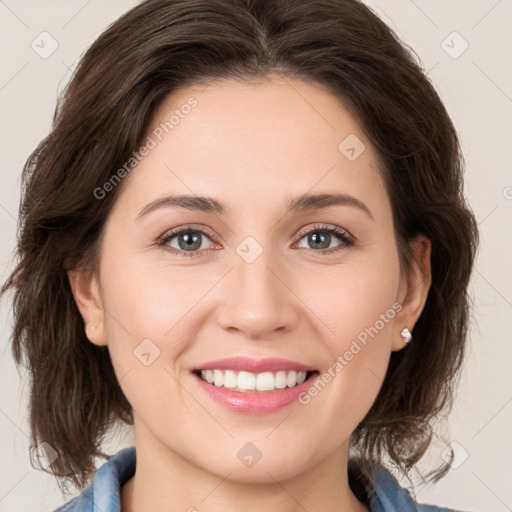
<point x="252" y="146"/>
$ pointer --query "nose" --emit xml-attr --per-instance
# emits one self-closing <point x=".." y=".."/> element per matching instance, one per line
<point x="257" y="302"/>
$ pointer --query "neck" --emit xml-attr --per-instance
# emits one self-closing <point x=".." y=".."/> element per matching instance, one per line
<point x="165" y="481"/>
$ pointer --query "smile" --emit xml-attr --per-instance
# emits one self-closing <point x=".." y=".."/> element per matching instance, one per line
<point x="247" y="381"/>
<point x="254" y="386"/>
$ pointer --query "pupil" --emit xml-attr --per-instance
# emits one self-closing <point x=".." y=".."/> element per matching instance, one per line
<point x="319" y="239"/>
<point x="191" y="241"/>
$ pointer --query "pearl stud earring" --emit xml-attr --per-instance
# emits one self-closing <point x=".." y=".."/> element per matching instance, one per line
<point x="406" y="334"/>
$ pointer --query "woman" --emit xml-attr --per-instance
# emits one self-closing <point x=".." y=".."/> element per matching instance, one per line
<point x="246" y="235"/>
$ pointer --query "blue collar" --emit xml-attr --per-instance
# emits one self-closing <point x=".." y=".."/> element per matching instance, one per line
<point x="383" y="494"/>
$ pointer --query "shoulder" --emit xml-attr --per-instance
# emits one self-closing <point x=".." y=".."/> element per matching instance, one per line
<point x="384" y="494"/>
<point x="104" y="493"/>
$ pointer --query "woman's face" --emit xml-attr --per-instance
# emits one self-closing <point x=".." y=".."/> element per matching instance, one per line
<point x="254" y="279"/>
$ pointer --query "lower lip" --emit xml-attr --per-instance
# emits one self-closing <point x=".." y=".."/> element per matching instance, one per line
<point x="254" y="402"/>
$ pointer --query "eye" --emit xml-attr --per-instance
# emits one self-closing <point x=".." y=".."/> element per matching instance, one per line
<point x="187" y="241"/>
<point x="320" y="239"/>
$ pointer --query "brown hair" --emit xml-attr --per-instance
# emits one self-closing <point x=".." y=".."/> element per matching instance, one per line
<point x="161" y="45"/>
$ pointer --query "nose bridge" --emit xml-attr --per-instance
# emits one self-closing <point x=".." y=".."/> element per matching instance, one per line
<point x="257" y="302"/>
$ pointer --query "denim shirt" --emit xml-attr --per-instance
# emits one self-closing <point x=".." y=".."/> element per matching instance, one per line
<point x="384" y="494"/>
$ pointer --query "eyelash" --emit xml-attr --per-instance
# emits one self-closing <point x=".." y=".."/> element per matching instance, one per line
<point x="347" y="239"/>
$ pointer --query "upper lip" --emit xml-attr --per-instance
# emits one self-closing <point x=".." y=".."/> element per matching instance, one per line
<point x="254" y="365"/>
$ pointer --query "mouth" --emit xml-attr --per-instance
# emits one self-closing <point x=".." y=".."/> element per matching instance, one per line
<point x="252" y="386"/>
<point x="249" y="382"/>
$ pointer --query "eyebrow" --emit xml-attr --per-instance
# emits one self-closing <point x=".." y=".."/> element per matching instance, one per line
<point x="302" y="203"/>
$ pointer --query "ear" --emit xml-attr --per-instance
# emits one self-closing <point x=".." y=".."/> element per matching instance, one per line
<point x="413" y="290"/>
<point x="85" y="287"/>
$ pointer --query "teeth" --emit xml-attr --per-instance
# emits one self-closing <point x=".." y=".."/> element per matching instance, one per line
<point x="291" y="379"/>
<point x="301" y="377"/>
<point x="218" y="378"/>
<point x="230" y="379"/>
<point x="265" y="381"/>
<point x="247" y="381"/>
<point x="280" y="380"/>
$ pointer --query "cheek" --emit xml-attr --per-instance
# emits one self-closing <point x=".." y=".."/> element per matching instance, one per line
<point x="357" y="301"/>
<point x="148" y="328"/>
<point x="154" y="314"/>
<point x="151" y="301"/>
<point x="359" y="307"/>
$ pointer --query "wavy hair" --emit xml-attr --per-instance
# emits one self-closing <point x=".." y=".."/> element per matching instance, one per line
<point x="101" y="117"/>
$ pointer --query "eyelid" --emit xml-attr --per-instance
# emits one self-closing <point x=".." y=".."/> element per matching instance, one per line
<point x="162" y="240"/>
<point x="326" y="227"/>
<point x="185" y="228"/>
<point x="346" y="238"/>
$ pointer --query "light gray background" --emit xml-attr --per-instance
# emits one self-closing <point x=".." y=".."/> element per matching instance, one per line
<point x="476" y="87"/>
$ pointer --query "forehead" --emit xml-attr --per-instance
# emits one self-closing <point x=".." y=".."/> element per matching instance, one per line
<point x="261" y="142"/>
